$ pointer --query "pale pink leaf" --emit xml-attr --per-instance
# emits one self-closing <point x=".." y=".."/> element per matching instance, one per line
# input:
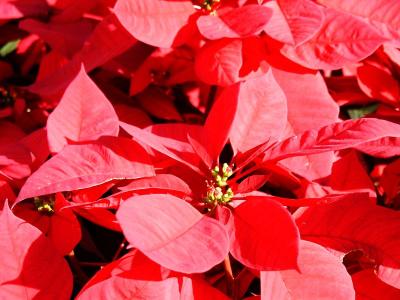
<point x="307" y="111"/>
<point x="293" y="21"/>
<point x="321" y="275"/>
<point x="341" y="40"/>
<point x="172" y="233"/>
<point x="260" y="115"/>
<point x="243" y="21"/>
<point x="84" y="113"/>
<point x="86" y="165"/>
<point x="337" y="136"/>
<point x="380" y="13"/>
<point x="154" y="22"/>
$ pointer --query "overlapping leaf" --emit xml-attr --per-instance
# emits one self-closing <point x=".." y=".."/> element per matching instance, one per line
<point x="321" y="275"/>
<point x="294" y="21"/>
<point x="264" y="236"/>
<point x="337" y="136"/>
<point x="335" y="44"/>
<point x="84" y="113"/>
<point x="86" y="165"/>
<point x="356" y="224"/>
<point x="158" y="23"/>
<point x="31" y="267"/>
<point x="173" y="233"/>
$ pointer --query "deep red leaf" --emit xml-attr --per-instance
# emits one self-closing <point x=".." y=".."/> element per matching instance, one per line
<point x="31" y="267"/>
<point x="265" y="236"/>
<point x="219" y="62"/>
<point x="369" y="286"/>
<point x="354" y="224"/>
<point x="11" y="9"/>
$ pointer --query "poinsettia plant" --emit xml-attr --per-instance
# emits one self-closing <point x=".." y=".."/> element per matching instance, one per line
<point x="199" y="149"/>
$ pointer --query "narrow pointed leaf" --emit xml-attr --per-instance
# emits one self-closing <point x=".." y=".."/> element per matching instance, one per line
<point x="337" y="136"/>
<point x="219" y="121"/>
<point x="86" y="165"/>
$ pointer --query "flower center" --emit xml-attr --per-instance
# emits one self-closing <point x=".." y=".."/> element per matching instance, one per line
<point x="218" y="190"/>
<point x="45" y="205"/>
<point x="7" y="97"/>
<point x="208" y="6"/>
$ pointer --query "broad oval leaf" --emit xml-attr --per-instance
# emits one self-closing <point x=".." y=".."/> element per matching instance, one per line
<point x="265" y="236"/>
<point x="154" y="22"/>
<point x="125" y="288"/>
<point x="85" y="165"/>
<point x="136" y="276"/>
<point x="335" y="44"/>
<point x="321" y="276"/>
<point x="172" y="233"/>
<point x="84" y="113"/>
<point x="353" y="224"/>
<point x="260" y="114"/>
<point x="239" y="22"/>
<point x="294" y="21"/>
<point x="380" y="13"/>
<point x="31" y="267"/>
<point x="219" y="62"/>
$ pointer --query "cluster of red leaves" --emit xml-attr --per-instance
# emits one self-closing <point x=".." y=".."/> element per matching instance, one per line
<point x="239" y="149"/>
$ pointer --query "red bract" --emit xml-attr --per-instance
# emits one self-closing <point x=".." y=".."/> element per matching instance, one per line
<point x="33" y="268"/>
<point x="308" y="282"/>
<point x="199" y="149"/>
<point x="343" y="232"/>
<point x="172" y="233"/>
<point x="83" y="114"/>
<point x="85" y="165"/>
<point x="53" y="216"/>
